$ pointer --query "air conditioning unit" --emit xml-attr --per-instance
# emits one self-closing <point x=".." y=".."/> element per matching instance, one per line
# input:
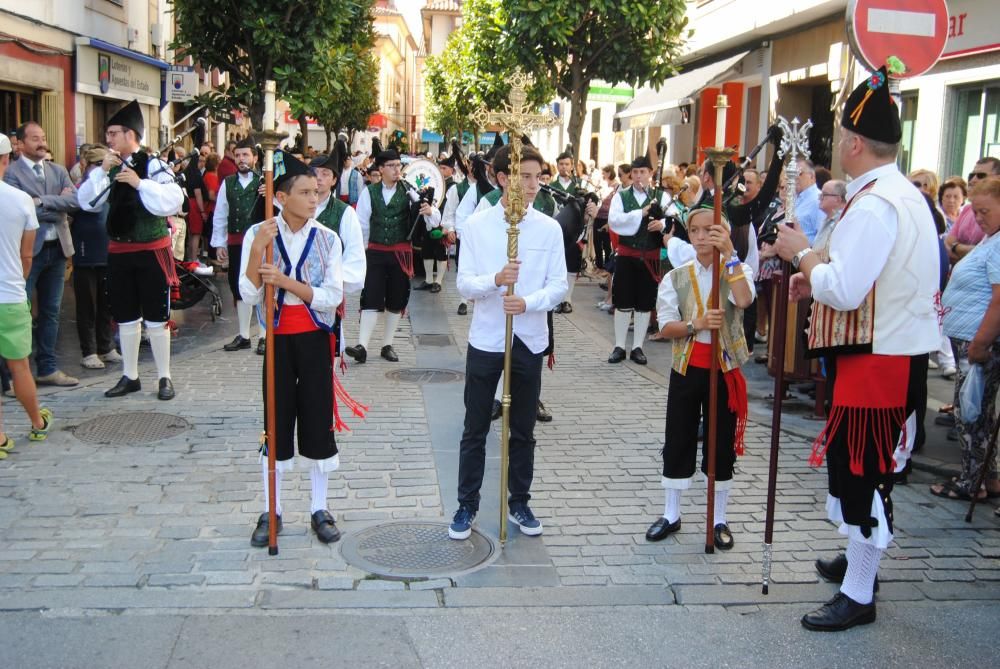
<point x="133" y="34"/>
<point x="156" y="34"/>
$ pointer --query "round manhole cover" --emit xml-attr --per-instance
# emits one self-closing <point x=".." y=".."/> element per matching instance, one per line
<point x="415" y="550"/>
<point x="425" y="375"/>
<point x="130" y="427"/>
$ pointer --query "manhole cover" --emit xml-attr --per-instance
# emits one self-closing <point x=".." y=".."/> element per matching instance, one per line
<point x="130" y="427"/>
<point x="434" y="340"/>
<point x="406" y="550"/>
<point x="425" y="375"/>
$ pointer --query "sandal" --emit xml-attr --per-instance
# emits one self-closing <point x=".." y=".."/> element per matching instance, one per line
<point x="7" y="445"/>
<point x="950" y="490"/>
<point x="946" y="408"/>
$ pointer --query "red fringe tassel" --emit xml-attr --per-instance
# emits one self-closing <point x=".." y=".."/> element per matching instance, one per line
<point x="859" y="422"/>
<point x="736" y="385"/>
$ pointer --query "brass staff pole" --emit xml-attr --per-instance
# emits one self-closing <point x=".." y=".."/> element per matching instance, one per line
<point x="269" y="141"/>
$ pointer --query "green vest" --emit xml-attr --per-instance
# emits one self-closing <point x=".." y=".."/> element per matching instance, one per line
<point x="544" y="202"/>
<point x="333" y="214"/>
<point x="642" y="240"/>
<point x="128" y="219"/>
<point x="448" y="183"/>
<point x="574" y="185"/>
<point x="390" y="223"/>
<point x="462" y="188"/>
<point x="732" y="342"/>
<point x="242" y="202"/>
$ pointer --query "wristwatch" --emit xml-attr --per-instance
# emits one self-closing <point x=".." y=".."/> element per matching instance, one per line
<point x="797" y="258"/>
<point x="690" y="327"/>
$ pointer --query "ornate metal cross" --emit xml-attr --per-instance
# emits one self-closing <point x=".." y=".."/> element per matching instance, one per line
<point x="794" y="144"/>
<point x="517" y="118"/>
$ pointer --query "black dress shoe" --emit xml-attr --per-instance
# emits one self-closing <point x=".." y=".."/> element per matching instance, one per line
<point x="945" y="420"/>
<point x="838" y="614"/>
<point x="261" y="346"/>
<point x="603" y="286"/>
<point x="389" y="354"/>
<point x="544" y="415"/>
<point x="435" y="288"/>
<point x="324" y="527"/>
<point x="661" y="528"/>
<point x="357" y="352"/>
<point x="567" y="308"/>
<point x="617" y="355"/>
<point x="902" y="477"/>
<point x="424" y="286"/>
<point x="723" y="537"/>
<point x="834" y="569"/>
<point x="238" y="343"/>
<point x="638" y="357"/>
<point x="124" y="386"/>
<point x="497" y="410"/>
<point x="463" y="309"/>
<point x="260" y="533"/>
<point x="559" y="308"/>
<point x="166" y="391"/>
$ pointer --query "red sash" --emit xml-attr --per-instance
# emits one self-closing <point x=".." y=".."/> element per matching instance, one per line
<point x="161" y="248"/>
<point x="736" y="386"/>
<point x="404" y="254"/>
<point x="651" y="258"/>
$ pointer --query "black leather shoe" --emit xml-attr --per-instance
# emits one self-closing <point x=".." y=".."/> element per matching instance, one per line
<point x="166" y="391"/>
<point x="661" y="528"/>
<point x="638" y="357"/>
<point x="723" y="537"/>
<point x="435" y="288"/>
<point x="424" y="286"/>
<point x="617" y="355"/>
<point x="357" y="352"/>
<point x="497" y="410"/>
<point x="324" y="527"/>
<point x="567" y="308"/>
<point x="838" y="614"/>
<point x="834" y="569"/>
<point x="543" y="415"/>
<point x="261" y="346"/>
<point x="124" y="386"/>
<point x="260" y="533"/>
<point x="238" y="343"/>
<point x="463" y="309"/>
<point x="559" y="308"/>
<point x="902" y="477"/>
<point x="389" y="354"/>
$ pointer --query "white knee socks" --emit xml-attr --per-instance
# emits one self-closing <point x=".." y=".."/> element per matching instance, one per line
<point x="639" y="331"/>
<point x="129" y="334"/>
<point x="391" y="323"/>
<point x="277" y="485"/>
<point x="571" y="280"/>
<point x="159" y="341"/>
<point x="862" y="567"/>
<point x="672" y="506"/>
<point x="721" y="503"/>
<point x="369" y="317"/>
<point x="621" y="327"/>
<point x="244" y="312"/>
<point x="320" y="483"/>
<point x="429" y="271"/>
<point x="442" y="270"/>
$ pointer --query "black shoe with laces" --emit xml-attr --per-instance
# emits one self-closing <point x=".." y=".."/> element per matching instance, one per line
<point x="838" y="614"/>
<point x="260" y="534"/>
<point x="238" y="343"/>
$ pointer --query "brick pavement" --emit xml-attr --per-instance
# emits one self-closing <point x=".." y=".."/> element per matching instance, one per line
<point x="79" y="518"/>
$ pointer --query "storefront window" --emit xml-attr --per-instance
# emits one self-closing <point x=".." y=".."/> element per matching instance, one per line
<point x="909" y="122"/>
<point x="977" y="124"/>
<point x="16" y="108"/>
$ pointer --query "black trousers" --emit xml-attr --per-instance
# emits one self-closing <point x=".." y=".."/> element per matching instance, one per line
<point x="602" y="243"/>
<point x="137" y="287"/>
<point x="687" y="403"/>
<point x="93" y="311"/>
<point x="482" y="373"/>
<point x="303" y="395"/>
<point x="386" y="285"/>
<point x="633" y="287"/>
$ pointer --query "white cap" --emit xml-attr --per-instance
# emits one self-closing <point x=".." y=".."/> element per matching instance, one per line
<point x="4" y="145"/>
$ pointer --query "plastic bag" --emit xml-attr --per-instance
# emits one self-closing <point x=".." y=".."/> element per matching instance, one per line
<point x="970" y="397"/>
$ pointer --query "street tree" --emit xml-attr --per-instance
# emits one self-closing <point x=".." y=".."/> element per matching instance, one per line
<point x="256" y="40"/>
<point x="572" y="43"/>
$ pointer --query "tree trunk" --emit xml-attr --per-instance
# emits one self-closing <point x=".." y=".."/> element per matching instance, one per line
<point x="329" y="141"/>
<point x="577" y="108"/>
<point x="303" y="133"/>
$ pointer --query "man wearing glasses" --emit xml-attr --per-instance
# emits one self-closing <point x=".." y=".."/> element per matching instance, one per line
<point x="966" y="233"/>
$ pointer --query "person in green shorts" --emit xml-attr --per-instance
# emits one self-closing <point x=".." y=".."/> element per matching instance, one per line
<point x="18" y="224"/>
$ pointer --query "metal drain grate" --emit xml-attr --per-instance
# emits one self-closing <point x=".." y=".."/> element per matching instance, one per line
<point x="425" y="375"/>
<point x="130" y="427"/>
<point x="434" y="340"/>
<point x="405" y="550"/>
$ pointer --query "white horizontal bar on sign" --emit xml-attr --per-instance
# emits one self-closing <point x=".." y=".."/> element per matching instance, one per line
<point x="896" y="22"/>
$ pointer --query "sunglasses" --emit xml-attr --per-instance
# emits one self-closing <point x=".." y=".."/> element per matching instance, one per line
<point x="978" y="175"/>
<point x="919" y="184"/>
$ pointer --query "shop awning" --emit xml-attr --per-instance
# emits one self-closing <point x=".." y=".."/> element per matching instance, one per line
<point x="430" y="137"/>
<point x="652" y="107"/>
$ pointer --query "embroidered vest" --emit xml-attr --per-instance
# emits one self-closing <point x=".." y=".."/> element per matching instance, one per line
<point x="128" y="218"/>
<point x="733" y="351"/>
<point x="390" y="222"/>
<point x="462" y="188"/>
<point x="333" y="214"/>
<point x="242" y="203"/>
<point x="642" y="240"/>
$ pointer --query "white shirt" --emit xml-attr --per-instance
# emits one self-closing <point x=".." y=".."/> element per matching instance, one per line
<point x="627" y="223"/>
<point x="451" y="202"/>
<point x="541" y="279"/>
<point x="17" y="216"/>
<point x="364" y="209"/>
<point x="160" y="194"/>
<point x="668" y="305"/>
<point x="858" y="253"/>
<point x="466" y="208"/>
<point x="565" y="182"/>
<point x="354" y="263"/>
<point x="51" y="232"/>
<point x="680" y="252"/>
<point x="326" y="297"/>
<point x="220" y="219"/>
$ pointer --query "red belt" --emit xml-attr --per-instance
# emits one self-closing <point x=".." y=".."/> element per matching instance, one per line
<point x="235" y="238"/>
<point x="403" y="251"/>
<point x="295" y="319"/>
<point x="650" y="257"/>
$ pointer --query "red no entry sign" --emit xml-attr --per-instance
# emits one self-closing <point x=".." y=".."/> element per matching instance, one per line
<point x="915" y="31"/>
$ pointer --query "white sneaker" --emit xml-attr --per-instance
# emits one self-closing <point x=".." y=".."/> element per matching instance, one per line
<point x="110" y="356"/>
<point x="92" y="362"/>
<point x="932" y="364"/>
<point x="203" y="270"/>
<point x="948" y="372"/>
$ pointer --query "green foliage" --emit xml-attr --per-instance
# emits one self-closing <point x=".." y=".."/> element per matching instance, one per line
<point x="290" y="41"/>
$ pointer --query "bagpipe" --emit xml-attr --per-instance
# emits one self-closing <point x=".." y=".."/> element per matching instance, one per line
<point x="571" y="215"/>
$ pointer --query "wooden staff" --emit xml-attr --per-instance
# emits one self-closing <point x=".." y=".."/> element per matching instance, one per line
<point x="269" y="140"/>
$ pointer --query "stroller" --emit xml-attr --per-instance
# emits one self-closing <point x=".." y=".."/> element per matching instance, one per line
<point x="193" y="288"/>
